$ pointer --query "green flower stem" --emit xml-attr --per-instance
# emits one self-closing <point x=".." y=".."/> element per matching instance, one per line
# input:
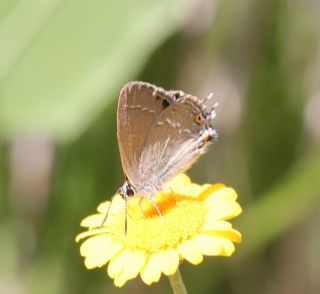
<point x="177" y="283"/>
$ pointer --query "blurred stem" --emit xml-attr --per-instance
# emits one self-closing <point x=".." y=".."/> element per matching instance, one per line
<point x="177" y="283"/>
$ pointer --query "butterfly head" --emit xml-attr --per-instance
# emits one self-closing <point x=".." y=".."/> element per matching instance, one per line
<point x="126" y="190"/>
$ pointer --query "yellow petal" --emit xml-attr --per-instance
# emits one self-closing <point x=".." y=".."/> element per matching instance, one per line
<point x="192" y="190"/>
<point x="178" y="181"/>
<point x="216" y="225"/>
<point x="214" y="246"/>
<point x="117" y="204"/>
<point x="118" y="262"/>
<point x="91" y="233"/>
<point x="94" y="220"/>
<point x="226" y="193"/>
<point x="120" y="280"/>
<point x="103" y="207"/>
<point x="227" y="245"/>
<point x="182" y="185"/>
<point x="169" y="261"/>
<point x="223" y="209"/>
<point x="211" y="190"/>
<point x="98" y="250"/>
<point x="134" y="264"/>
<point x="230" y="234"/>
<point x="151" y="273"/>
<point x="190" y="252"/>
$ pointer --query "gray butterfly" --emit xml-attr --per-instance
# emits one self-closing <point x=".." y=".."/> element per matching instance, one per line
<point x="160" y="134"/>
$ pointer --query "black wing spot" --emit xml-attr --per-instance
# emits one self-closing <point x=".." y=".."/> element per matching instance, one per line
<point x="158" y="97"/>
<point x="177" y="95"/>
<point x="165" y="103"/>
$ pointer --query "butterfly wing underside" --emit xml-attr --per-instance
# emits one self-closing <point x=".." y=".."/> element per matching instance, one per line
<point x="139" y="104"/>
<point x="158" y="134"/>
<point x="173" y="143"/>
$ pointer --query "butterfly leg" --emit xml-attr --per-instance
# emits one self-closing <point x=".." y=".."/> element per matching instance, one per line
<point x="155" y="207"/>
<point x="166" y="189"/>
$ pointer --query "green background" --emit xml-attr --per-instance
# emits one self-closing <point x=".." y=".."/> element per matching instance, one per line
<point x="62" y="65"/>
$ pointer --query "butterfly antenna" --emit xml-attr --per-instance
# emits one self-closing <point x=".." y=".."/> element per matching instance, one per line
<point x="106" y="215"/>
<point x="203" y="101"/>
<point x="213" y="111"/>
<point x="126" y="215"/>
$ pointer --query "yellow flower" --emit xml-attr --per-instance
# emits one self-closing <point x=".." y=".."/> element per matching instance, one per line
<point x="194" y="224"/>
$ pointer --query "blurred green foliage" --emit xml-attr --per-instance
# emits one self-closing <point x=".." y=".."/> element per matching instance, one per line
<point x="62" y="65"/>
<point x="69" y="57"/>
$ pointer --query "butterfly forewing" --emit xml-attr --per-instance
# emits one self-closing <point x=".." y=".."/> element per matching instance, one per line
<point x="139" y="105"/>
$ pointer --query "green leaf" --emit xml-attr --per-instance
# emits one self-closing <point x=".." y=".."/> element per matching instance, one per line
<point x="287" y="203"/>
<point x="63" y="61"/>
